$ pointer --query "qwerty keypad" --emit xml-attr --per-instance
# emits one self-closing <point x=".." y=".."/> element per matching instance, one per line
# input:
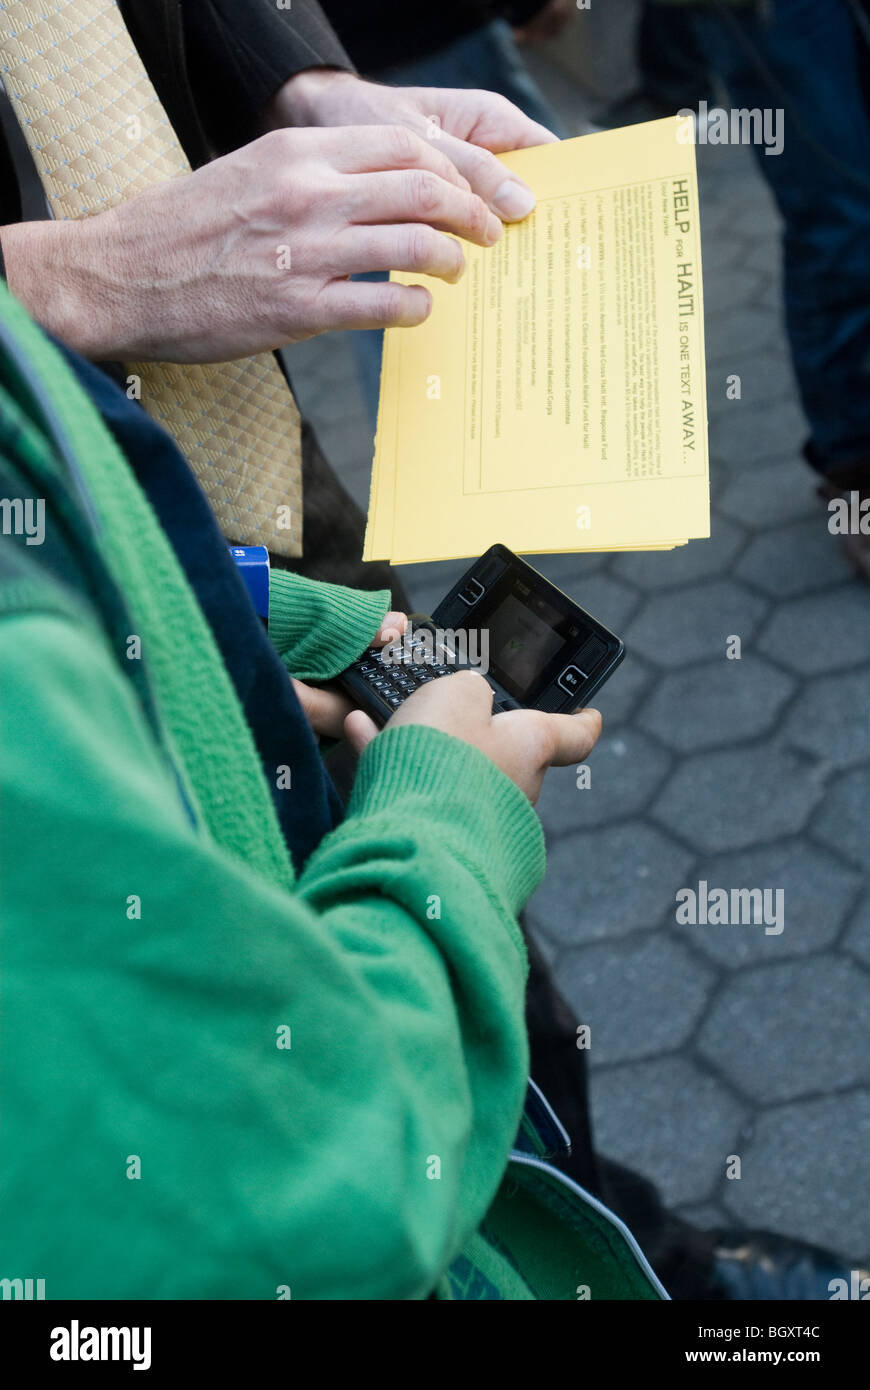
<point x="395" y="680"/>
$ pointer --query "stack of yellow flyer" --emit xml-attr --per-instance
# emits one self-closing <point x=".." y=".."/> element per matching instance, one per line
<point x="555" y="398"/>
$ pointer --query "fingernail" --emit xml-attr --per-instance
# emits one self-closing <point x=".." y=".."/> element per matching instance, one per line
<point x="513" y="200"/>
<point x="494" y="229"/>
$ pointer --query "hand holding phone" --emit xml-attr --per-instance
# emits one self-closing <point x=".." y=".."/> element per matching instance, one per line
<point x="535" y="647"/>
<point x="524" y="743"/>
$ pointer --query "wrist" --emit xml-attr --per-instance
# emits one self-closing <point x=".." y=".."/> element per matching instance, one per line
<point x="318" y="629"/>
<point x="452" y="789"/>
<point x="300" y="102"/>
<point x="58" y="272"/>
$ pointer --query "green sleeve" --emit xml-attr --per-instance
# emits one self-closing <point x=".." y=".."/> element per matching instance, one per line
<point x="156" y="1141"/>
<point x="319" y="629"/>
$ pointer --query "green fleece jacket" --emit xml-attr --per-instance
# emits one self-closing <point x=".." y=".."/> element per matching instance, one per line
<point x="218" y="1082"/>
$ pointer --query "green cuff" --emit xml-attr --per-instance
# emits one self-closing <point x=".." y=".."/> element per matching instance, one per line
<point x="432" y="778"/>
<point x="319" y="629"/>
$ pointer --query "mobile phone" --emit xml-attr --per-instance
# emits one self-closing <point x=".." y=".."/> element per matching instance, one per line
<point x="534" y="645"/>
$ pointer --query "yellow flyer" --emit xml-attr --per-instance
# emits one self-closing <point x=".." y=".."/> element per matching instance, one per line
<point x="555" y="398"/>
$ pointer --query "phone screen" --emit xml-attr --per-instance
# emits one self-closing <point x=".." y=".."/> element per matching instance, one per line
<point x="525" y="633"/>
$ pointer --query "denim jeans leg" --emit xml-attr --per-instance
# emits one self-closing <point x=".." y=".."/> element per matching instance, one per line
<point x="809" y="60"/>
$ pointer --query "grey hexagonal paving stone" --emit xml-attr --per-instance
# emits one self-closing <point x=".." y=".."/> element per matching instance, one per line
<point x="717" y="188"/>
<point x="427" y="584"/>
<point x="723" y="292"/>
<point x="772" y="297"/>
<point x="795" y="559"/>
<point x="639" y="997"/>
<point x="821" y="633"/>
<point x="718" y="702"/>
<point x="748" y="435"/>
<point x="804" y="1174"/>
<point x="771" y="495"/>
<point x="718" y="191"/>
<point x="719" y="482"/>
<point x="617" y="699"/>
<point x="738" y="797"/>
<point x="700" y="559"/>
<point x="720" y="167"/>
<point x="831" y="719"/>
<point x="624" y="771"/>
<point x="314" y="367"/>
<point x="549" y="949"/>
<point x="606" y="598"/>
<point x="818" y="892"/>
<point x="764" y="253"/>
<point x="675" y="629"/>
<point x="783" y="1031"/>
<point x="603" y="883"/>
<point x="737" y="338"/>
<point x="771" y="381"/>
<point x="844" y="820"/>
<point x="667" y="1120"/>
<point x="857" y="938"/>
<point x="569" y="572"/>
<point x="717" y="214"/>
<point x="705" y="1216"/>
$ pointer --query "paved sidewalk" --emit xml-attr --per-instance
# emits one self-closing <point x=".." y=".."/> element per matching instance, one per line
<point x="713" y="1041"/>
